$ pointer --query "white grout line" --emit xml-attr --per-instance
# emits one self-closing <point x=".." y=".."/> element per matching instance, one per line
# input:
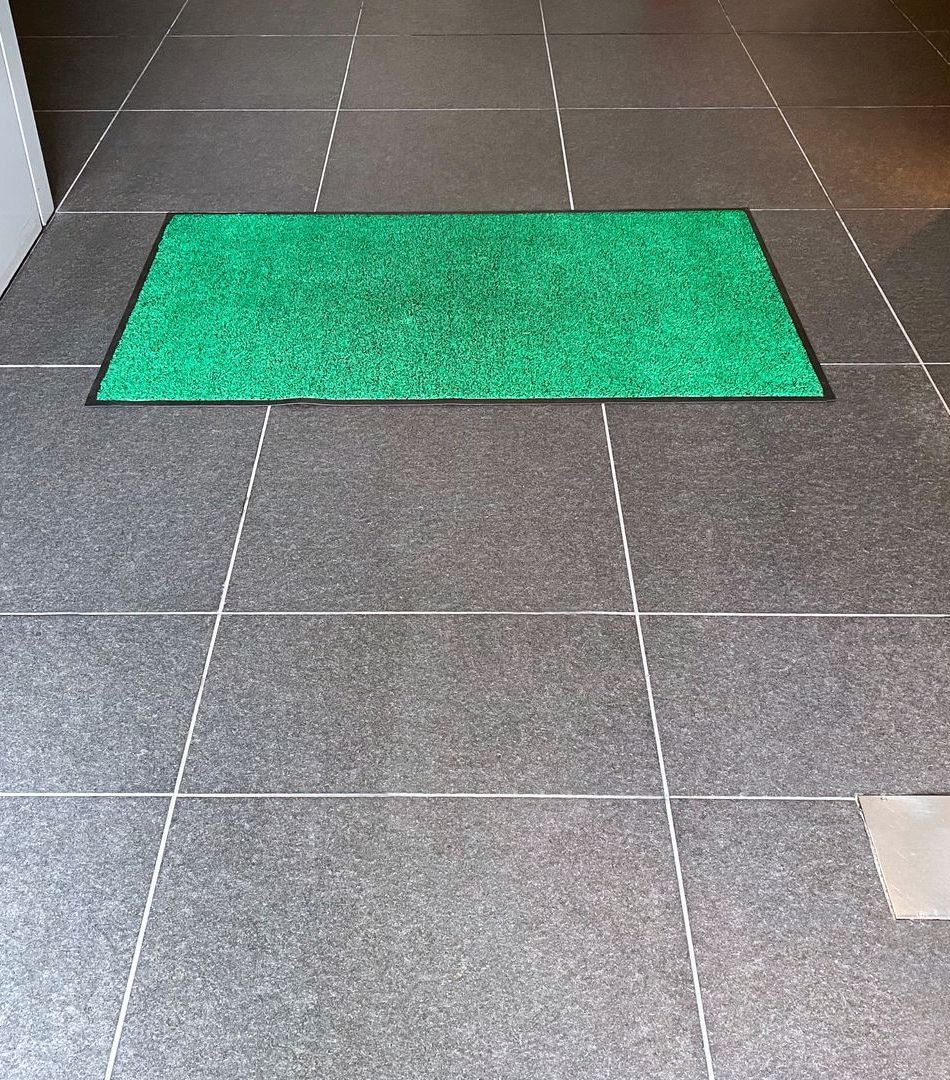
<point x="339" y="104"/>
<point x="85" y="794"/>
<point x="96" y="614"/>
<point x="890" y="308"/>
<point x="521" y="33"/>
<point x="755" y="209"/>
<point x="694" y="969"/>
<point x="557" y="107"/>
<point x="272" y="35"/>
<point x="115" y="115"/>
<point x="824" y="209"/>
<point x="841" y="221"/>
<point x="765" y="798"/>
<point x="436" y="612"/>
<point x="797" y="614"/>
<point x="489" y="795"/>
<point x="513" y="613"/>
<point x="922" y="33"/>
<point x="150" y="897"/>
<point x="394" y="795"/>
<point x="733" y="108"/>
<point x="503" y="109"/>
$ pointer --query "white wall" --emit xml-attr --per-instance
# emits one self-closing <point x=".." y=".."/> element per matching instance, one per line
<point x="25" y="200"/>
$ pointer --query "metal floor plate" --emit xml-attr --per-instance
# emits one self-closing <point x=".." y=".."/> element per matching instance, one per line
<point x="910" y="838"/>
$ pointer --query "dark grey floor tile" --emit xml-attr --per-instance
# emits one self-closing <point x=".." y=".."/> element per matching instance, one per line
<point x="366" y="938"/>
<point x="442" y="71"/>
<point x="206" y="161"/>
<point x="446" y="161"/>
<point x="426" y="703"/>
<point x="73" y="878"/>
<point x="795" y="506"/>
<point x="273" y="17"/>
<point x="636" y="17"/>
<point x="841" y="309"/>
<point x="97" y="703"/>
<point x="941" y="376"/>
<point x="910" y="254"/>
<point x="801" y="706"/>
<point x="245" y="73"/>
<point x="611" y="70"/>
<point x="114" y="17"/>
<point x="940" y="39"/>
<point x="804" y="973"/>
<point x="114" y="508"/>
<point x="83" y="73"/>
<point x="432" y="508"/>
<point x="451" y="17"/>
<point x="927" y="14"/>
<point x="879" y="157"/>
<point x="803" y="16"/>
<point x="851" y="69"/>
<point x="67" y="139"/>
<point x="67" y="299"/>
<point x="686" y="158"/>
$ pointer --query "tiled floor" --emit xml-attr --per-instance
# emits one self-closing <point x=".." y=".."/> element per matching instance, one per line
<point x="627" y="667"/>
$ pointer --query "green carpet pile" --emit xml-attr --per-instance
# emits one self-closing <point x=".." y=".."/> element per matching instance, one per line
<point x="415" y="307"/>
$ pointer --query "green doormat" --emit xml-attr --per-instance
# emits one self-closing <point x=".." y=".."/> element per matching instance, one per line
<point x="458" y="307"/>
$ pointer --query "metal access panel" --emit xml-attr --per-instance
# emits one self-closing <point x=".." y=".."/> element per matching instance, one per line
<point x="910" y="838"/>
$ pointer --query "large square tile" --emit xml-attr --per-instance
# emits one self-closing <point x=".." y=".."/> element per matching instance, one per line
<point x="685" y="158"/>
<point x="67" y="139"/>
<point x="941" y="376"/>
<point x="274" y="17"/>
<point x="804" y="973"/>
<point x="73" y="878"/>
<point x="940" y="40"/>
<point x="635" y="17"/>
<point x="425" y="703"/>
<point x="451" y="17"/>
<point x="442" y="71"/>
<point x="362" y="939"/>
<point x="830" y="506"/>
<point x="93" y="17"/>
<point x="927" y="14"/>
<point x="446" y="161"/>
<point x="244" y="73"/>
<point x="653" y="70"/>
<point x="83" y="72"/>
<point x="423" y="508"/>
<point x="116" y="508"/>
<point x="839" y="305"/>
<point x="851" y="69"/>
<point x="804" y="16"/>
<point x="97" y="703"/>
<point x="910" y="254"/>
<point x="206" y="161"/>
<point x="67" y="299"/>
<point x="879" y="157"/>
<point x="801" y="706"/>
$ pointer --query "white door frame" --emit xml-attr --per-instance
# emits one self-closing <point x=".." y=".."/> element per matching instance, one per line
<point x="13" y="65"/>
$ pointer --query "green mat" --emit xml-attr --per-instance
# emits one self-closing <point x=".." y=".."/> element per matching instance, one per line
<point x="458" y="307"/>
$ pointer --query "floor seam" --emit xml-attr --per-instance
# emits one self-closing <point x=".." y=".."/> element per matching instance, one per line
<point x="668" y="807"/>
<point x="163" y="841"/>
<point x="339" y="104"/>
<point x="122" y="104"/>
<point x="837" y="212"/>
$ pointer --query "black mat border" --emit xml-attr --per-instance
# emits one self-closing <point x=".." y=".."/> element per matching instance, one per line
<point x="92" y="398"/>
